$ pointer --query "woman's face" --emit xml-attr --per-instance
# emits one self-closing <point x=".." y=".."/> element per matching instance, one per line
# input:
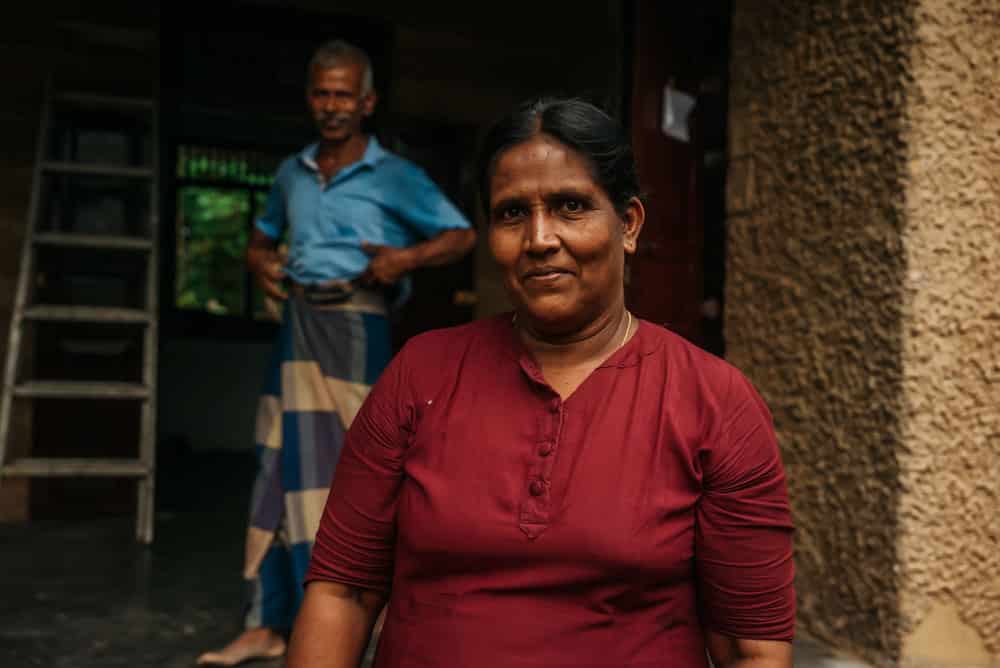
<point x="556" y="235"/>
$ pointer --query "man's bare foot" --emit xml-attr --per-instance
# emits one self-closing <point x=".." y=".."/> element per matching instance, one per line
<point x="259" y="643"/>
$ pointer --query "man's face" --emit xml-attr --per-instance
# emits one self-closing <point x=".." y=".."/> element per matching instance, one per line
<point x="337" y="102"/>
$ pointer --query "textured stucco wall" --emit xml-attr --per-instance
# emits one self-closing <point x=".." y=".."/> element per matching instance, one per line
<point x="862" y="298"/>
<point x="815" y="284"/>
<point x="949" y="548"/>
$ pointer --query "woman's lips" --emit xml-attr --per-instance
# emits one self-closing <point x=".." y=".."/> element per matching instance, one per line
<point x="550" y="276"/>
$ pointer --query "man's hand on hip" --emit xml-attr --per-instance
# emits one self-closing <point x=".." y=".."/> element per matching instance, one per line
<point x="266" y="261"/>
<point x="387" y="265"/>
<point x="268" y="271"/>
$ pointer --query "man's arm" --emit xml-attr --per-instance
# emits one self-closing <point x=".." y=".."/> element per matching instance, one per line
<point x="265" y="264"/>
<point x="333" y="626"/>
<point x="388" y="264"/>
<point x="729" y="652"/>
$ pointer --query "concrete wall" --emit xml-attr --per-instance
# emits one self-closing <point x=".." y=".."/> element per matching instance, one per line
<point x="815" y="286"/>
<point x="862" y="256"/>
<point x="208" y="392"/>
<point x="949" y="547"/>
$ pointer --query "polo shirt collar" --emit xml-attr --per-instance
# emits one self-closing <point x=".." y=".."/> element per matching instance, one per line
<point x="374" y="154"/>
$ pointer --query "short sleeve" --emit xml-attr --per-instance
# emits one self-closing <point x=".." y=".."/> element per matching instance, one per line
<point x="426" y="209"/>
<point x="356" y="537"/>
<point x="743" y="537"/>
<point x="272" y="221"/>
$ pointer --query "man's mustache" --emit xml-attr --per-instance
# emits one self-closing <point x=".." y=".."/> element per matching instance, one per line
<point x="335" y="118"/>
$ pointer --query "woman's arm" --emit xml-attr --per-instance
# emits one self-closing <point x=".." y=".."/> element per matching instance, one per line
<point x="333" y="626"/>
<point x="729" y="652"/>
<point x="743" y="539"/>
<point x="350" y="570"/>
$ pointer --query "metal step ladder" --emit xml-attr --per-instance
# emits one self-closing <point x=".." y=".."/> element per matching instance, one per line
<point x="47" y="233"/>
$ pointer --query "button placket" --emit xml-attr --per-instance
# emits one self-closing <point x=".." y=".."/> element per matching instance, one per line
<point x="536" y="505"/>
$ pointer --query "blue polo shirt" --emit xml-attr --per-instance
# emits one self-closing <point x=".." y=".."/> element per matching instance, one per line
<point x="382" y="199"/>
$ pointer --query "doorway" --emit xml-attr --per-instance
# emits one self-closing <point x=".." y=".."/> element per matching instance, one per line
<point x="676" y="278"/>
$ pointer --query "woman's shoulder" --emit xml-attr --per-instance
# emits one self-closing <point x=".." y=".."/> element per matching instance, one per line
<point x="437" y="348"/>
<point x="480" y="330"/>
<point x="680" y="353"/>
<point x="689" y="366"/>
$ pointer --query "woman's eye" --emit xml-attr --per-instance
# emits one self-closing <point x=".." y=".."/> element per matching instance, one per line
<point x="511" y="213"/>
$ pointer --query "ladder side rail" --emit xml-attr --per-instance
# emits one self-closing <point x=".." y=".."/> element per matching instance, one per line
<point x="145" y="516"/>
<point x="23" y="278"/>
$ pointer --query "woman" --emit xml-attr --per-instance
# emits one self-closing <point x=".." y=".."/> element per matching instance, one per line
<point x="561" y="486"/>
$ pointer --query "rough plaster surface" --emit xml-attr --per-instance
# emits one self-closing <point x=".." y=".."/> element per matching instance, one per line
<point x="815" y="287"/>
<point x="862" y="298"/>
<point x="949" y="548"/>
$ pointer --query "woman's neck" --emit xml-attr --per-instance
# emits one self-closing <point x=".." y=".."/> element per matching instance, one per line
<point x="594" y="342"/>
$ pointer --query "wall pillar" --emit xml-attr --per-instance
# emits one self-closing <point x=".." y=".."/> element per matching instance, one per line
<point x="949" y="542"/>
<point x="862" y="282"/>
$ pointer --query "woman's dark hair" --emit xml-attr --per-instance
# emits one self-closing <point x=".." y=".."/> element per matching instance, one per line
<point x="579" y="125"/>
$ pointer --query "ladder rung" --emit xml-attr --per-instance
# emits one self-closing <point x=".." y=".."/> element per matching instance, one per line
<point x="52" y="312"/>
<point x="93" y="101"/>
<point x="80" y="389"/>
<point x="85" y="169"/>
<point x="52" y="467"/>
<point x="93" y="241"/>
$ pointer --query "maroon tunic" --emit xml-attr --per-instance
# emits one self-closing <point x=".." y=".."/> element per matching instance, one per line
<point x="517" y="529"/>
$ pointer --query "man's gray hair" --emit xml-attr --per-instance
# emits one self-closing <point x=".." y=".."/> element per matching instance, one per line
<point x="337" y="53"/>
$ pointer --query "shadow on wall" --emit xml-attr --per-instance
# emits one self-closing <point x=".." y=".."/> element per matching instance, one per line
<point x="208" y="395"/>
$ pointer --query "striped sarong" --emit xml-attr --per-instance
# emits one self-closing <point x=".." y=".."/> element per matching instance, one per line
<point x="323" y="365"/>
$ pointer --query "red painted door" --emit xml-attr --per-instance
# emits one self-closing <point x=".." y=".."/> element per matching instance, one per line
<point x="665" y="274"/>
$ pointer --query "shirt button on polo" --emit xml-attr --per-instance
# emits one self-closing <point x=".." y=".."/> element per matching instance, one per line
<point x="536" y="488"/>
<point x="554" y="406"/>
<point x="545" y="449"/>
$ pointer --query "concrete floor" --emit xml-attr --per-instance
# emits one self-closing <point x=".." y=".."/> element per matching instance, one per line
<point x="76" y="594"/>
<point x="84" y="595"/>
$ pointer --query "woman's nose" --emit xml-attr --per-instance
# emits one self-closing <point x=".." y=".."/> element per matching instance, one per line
<point x="541" y="233"/>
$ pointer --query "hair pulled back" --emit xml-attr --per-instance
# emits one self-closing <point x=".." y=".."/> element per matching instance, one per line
<point x="577" y="124"/>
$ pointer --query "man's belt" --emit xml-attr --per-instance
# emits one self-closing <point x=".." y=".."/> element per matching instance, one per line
<point x="336" y="291"/>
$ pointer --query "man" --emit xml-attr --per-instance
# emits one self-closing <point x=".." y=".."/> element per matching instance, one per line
<point x="358" y="220"/>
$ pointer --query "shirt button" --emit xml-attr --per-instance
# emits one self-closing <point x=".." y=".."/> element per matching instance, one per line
<point x="545" y="449"/>
<point x="536" y="488"/>
<point x="554" y="406"/>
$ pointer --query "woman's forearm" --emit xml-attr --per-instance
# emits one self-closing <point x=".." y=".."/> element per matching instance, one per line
<point x="333" y="626"/>
<point x="727" y="652"/>
<point x="756" y="662"/>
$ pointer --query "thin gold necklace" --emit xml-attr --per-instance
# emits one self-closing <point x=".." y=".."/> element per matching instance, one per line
<point x="628" y="327"/>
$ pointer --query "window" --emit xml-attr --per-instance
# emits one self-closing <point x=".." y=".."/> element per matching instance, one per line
<point x="220" y="193"/>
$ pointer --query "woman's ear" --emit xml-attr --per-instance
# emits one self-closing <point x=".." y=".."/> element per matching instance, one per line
<point x="635" y="216"/>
